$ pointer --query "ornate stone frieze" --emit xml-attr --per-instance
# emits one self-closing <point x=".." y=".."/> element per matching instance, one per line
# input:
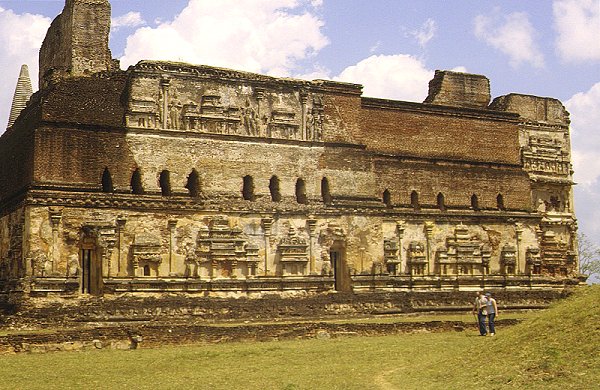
<point x="390" y="251"/>
<point x="293" y="253"/>
<point x="417" y="257"/>
<point x="293" y="248"/>
<point x="146" y="253"/>
<point x="463" y="253"/>
<point x="223" y="247"/>
<point x="533" y="260"/>
<point x="508" y="259"/>
<point x="176" y="101"/>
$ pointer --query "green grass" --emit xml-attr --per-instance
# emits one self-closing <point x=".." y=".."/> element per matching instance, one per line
<point x="556" y="349"/>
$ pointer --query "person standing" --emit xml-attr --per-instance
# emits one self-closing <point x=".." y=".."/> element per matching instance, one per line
<point x="492" y="312"/>
<point x="480" y="307"/>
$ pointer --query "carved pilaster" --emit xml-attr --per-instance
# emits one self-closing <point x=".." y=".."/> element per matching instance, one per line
<point x="429" y="235"/>
<point x="519" y="237"/>
<point x="120" y="230"/>
<point x="312" y="228"/>
<point x="400" y="226"/>
<point x="55" y="219"/>
<point x="171" y="226"/>
<point x="303" y="101"/>
<point x="267" y="223"/>
<point x="164" y="88"/>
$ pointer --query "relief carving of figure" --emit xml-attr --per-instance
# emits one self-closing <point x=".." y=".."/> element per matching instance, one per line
<point x="541" y="206"/>
<point x="175" y="115"/>
<point x="192" y="265"/>
<point x="73" y="266"/>
<point x="314" y="124"/>
<point x="40" y="264"/>
<point x="250" y="119"/>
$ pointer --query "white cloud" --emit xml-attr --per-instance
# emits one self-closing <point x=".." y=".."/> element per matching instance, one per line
<point x="375" y="47"/>
<point x="578" y="25"/>
<point x="267" y="36"/>
<point x="130" y="19"/>
<point x="400" y="77"/>
<point x="512" y="34"/>
<point x="21" y="36"/>
<point x="585" y="116"/>
<point x="425" y="33"/>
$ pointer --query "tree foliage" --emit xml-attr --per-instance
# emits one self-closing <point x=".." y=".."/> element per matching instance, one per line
<point x="589" y="256"/>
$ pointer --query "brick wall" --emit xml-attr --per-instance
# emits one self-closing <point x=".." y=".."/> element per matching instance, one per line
<point x="440" y="133"/>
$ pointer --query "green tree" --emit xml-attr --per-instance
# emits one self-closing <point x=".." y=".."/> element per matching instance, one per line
<point x="589" y="257"/>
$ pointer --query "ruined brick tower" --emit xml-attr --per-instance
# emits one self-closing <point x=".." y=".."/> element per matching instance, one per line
<point x="77" y="42"/>
<point x="201" y="180"/>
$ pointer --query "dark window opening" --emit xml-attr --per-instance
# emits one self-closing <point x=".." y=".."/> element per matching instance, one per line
<point x="414" y="200"/>
<point x="146" y="270"/>
<point x="387" y="198"/>
<point x="325" y="193"/>
<point x="193" y="184"/>
<point x="441" y="202"/>
<point x="274" y="188"/>
<point x="165" y="183"/>
<point x="136" y="182"/>
<point x="107" y="183"/>
<point x="301" y="192"/>
<point x="474" y="202"/>
<point x="500" y="202"/>
<point x="248" y="188"/>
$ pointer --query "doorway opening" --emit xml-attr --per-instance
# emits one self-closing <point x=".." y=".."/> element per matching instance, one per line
<point x="91" y="271"/>
<point x="341" y="272"/>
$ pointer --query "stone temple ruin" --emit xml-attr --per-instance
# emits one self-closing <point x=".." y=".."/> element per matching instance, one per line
<point x="179" y="178"/>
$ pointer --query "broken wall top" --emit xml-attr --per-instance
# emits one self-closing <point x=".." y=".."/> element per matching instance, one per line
<point x="533" y="108"/>
<point x="76" y="43"/>
<point x="459" y="90"/>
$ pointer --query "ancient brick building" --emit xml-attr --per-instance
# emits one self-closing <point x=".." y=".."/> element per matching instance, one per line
<point x="186" y="178"/>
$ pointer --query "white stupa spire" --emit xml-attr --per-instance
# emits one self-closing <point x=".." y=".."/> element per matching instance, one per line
<point x="23" y="92"/>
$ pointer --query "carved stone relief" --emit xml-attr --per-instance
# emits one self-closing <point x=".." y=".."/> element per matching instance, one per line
<point x="463" y="254"/>
<point x="146" y="254"/>
<point x="293" y="253"/>
<point x="218" y="109"/>
<point x="508" y="259"/>
<point x="224" y="248"/>
<point x="417" y="258"/>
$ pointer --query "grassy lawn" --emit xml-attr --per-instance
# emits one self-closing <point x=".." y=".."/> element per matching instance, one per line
<point x="556" y="349"/>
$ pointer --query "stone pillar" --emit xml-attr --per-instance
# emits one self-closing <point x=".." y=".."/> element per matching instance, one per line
<point x="171" y="225"/>
<point x="121" y="268"/>
<point x="312" y="228"/>
<point x="519" y="237"/>
<point x="428" y="235"/>
<point x="260" y="94"/>
<point x="55" y="218"/>
<point x="303" y="101"/>
<point x="267" y="223"/>
<point x="400" y="225"/>
<point x="164" y="87"/>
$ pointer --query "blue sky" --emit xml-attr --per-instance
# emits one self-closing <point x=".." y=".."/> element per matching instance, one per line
<point x="540" y="47"/>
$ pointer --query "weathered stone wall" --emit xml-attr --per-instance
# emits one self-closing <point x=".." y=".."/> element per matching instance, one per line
<point x="171" y="243"/>
<point x="12" y="263"/>
<point x="16" y="162"/>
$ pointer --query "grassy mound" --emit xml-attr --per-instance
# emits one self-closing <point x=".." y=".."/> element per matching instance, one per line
<point x="557" y="349"/>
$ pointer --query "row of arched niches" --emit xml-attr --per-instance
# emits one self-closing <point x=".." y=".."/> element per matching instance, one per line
<point x="248" y="190"/>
